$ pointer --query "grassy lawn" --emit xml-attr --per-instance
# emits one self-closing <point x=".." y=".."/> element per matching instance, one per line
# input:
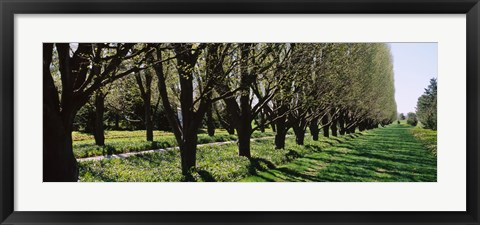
<point x="133" y="141"/>
<point x="385" y="154"/>
<point x="113" y="134"/>
<point x="427" y="137"/>
<point x="214" y="163"/>
<point x="388" y="154"/>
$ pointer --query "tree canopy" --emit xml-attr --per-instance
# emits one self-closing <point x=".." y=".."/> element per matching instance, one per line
<point x="427" y="106"/>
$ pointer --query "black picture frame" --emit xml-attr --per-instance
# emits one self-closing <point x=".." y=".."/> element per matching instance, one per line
<point x="9" y="8"/>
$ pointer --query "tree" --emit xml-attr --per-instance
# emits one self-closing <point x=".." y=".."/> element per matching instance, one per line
<point x="307" y="89"/>
<point x="81" y="74"/>
<point x="125" y="108"/>
<point x="145" y="86"/>
<point x="248" y="83"/>
<point x="339" y="87"/>
<point x="412" y="119"/>
<point x="282" y="102"/>
<point x="402" y="116"/>
<point x="195" y="97"/>
<point x="353" y="89"/>
<point x="427" y="106"/>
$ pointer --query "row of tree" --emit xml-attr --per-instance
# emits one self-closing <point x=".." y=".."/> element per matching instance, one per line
<point x="242" y="87"/>
<point x="426" y="110"/>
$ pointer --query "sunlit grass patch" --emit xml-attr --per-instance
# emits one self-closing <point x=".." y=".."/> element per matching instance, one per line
<point x="427" y="137"/>
<point x="121" y="142"/>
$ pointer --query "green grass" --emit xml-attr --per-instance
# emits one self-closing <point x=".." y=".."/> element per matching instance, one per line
<point x="111" y="134"/>
<point x="390" y="154"/>
<point x="133" y="141"/>
<point x="214" y="163"/>
<point x="427" y="137"/>
<point x="385" y="154"/>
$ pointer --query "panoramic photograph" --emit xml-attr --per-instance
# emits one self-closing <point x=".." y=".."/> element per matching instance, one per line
<point x="240" y="112"/>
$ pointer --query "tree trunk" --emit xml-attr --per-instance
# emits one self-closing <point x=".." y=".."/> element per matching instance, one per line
<point x="229" y="126"/>
<point x="314" y="129"/>
<point x="280" y="125"/>
<point x="99" y="133"/>
<point x="188" y="152"/>
<point x="148" y="117"/>
<point x="281" y="134"/>
<point x="280" y="139"/>
<point x="146" y="93"/>
<point x="244" y="124"/>
<point x="226" y="122"/>
<point x="341" y="123"/>
<point x="261" y="122"/>
<point x="361" y="126"/>
<point x="333" y="127"/>
<point x="325" y="126"/>
<point x="244" y="130"/>
<point x="59" y="163"/>
<point x="210" y="123"/>
<point x="117" y="119"/>
<point x="299" y="134"/>
<point x="348" y="123"/>
<point x="90" y="124"/>
<point x="352" y="129"/>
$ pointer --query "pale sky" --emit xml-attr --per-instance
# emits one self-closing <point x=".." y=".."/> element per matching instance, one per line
<point x="414" y="64"/>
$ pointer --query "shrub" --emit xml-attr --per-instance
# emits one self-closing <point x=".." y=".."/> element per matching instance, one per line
<point x="412" y="119"/>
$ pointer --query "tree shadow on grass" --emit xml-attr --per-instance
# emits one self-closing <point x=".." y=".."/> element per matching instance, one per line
<point x="315" y="148"/>
<point x="386" y="155"/>
<point x="295" y="174"/>
<point x="343" y="169"/>
<point x="264" y="178"/>
<point x="206" y="176"/>
<point x="291" y="155"/>
<point x="285" y="174"/>
<point x="337" y="140"/>
<point x="108" y="150"/>
<point x="330" y="143"/>
<point x="259" y="164"/>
